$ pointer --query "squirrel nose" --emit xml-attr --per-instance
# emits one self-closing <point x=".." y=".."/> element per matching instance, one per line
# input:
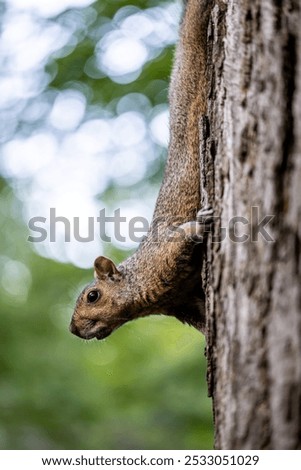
<point x="73" y="329"/>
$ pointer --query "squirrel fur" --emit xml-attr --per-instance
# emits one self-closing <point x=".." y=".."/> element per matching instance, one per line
<point x="163" y="275"/>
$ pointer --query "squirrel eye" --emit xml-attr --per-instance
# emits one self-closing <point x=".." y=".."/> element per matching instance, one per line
<point x="93" y="296"/>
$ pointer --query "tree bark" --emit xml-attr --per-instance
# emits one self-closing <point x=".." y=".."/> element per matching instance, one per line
<point x="251" y="168"/>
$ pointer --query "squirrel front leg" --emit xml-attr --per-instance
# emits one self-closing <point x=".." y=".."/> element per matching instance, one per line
<point x="177" y="277"/>
<point x="180" y="267"/>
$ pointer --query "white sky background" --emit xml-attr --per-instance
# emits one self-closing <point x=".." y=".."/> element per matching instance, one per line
<point x="71" y="157"/>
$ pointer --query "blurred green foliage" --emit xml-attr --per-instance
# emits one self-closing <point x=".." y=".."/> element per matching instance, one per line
<point x="142" y="388"/>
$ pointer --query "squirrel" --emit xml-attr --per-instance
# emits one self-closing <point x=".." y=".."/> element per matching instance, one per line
<point x="163" y="275"/>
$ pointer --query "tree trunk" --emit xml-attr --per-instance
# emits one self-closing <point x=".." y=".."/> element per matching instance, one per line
<point x="251" y="168"/>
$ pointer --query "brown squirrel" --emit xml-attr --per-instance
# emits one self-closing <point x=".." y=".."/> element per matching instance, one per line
<point x="163" y="275"/>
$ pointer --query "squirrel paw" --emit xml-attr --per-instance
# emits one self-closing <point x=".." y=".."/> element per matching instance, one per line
<point x="203" y="225"/>
<point x="198" y="230"/>
<point x="205" y="215"/>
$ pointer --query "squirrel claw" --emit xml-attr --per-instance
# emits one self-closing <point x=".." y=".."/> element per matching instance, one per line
<point x="205" y="215"/>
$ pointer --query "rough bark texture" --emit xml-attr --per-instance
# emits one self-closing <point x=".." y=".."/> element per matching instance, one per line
<point x="251" y="157"/>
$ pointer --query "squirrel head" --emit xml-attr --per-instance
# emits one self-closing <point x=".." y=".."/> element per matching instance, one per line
<point x="100" y="308"/>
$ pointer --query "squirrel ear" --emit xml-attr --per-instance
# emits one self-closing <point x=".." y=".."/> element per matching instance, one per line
<point x="104" y="267"/>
